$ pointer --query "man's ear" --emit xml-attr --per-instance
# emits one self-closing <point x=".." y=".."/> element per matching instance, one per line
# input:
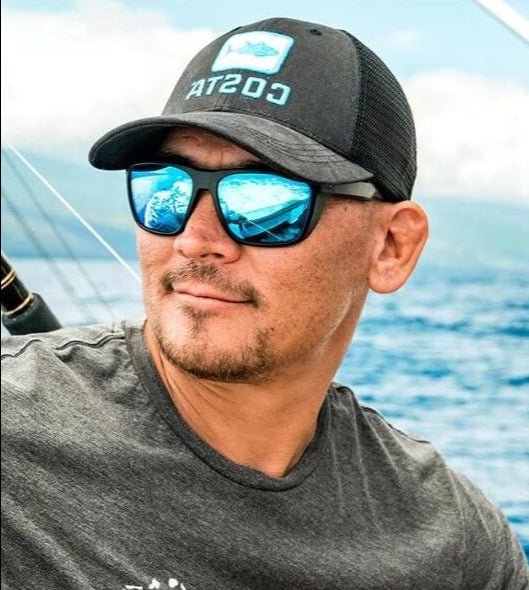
<point x="403" y="232"/>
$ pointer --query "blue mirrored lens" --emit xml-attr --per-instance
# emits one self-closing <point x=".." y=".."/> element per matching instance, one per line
<point x="262" y="208"/>
<point x="160" y="196"/>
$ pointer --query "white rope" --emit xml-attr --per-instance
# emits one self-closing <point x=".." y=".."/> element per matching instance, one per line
<point x="56" y="193"/>
<point x="508" y="16"/>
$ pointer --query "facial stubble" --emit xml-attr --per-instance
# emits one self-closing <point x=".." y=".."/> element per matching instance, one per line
<point x="248" y="362"/>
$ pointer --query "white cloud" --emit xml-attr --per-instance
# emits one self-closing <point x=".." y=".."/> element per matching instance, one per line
<point x="473" y="135"/>
<point x="68" y="77"/>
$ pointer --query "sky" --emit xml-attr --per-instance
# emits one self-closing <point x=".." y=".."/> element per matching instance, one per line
<point x="72" y="70"/>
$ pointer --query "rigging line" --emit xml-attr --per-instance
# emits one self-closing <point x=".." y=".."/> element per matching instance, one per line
<point x="507" y="16"/>
<point x="59" y="235"/>
<point x="77" y="215"/>
<point x="57" y="272"/>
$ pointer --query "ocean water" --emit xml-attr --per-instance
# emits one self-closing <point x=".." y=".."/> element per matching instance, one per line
<point x="445" y="358"/>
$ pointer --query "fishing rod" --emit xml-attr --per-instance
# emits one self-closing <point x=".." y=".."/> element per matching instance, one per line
<point x="23" y="312"/>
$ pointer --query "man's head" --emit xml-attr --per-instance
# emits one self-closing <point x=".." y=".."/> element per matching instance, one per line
<point x="301" y="108"/>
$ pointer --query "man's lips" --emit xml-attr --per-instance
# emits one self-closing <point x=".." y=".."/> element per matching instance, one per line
<point x="206" y="293"/>
<point x="205" y="284"/>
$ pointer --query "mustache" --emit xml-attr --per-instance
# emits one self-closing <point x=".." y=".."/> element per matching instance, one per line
<point x="212" y="275"/>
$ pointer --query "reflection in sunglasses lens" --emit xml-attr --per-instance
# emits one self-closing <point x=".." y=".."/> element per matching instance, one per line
<point x="264" y="208"/>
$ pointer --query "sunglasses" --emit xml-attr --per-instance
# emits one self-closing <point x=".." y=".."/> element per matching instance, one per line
<point x="256" y="207"/>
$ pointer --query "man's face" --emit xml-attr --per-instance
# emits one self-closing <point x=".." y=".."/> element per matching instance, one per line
<point x="231" y="312"/>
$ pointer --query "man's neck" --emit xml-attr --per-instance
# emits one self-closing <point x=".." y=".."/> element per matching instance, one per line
<point x="266" y="427"/>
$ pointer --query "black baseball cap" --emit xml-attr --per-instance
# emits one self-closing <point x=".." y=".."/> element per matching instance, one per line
<point x="308" y="99"/>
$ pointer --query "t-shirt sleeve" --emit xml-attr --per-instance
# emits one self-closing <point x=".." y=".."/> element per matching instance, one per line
<point x="493" y="555"/>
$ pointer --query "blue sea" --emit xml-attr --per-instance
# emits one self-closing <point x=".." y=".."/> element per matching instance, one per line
<point x="445" y="358"/>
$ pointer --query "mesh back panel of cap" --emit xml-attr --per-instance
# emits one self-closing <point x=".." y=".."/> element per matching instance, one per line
<point x="384" y="139"/>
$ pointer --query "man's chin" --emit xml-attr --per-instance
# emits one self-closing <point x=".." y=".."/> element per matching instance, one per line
<point x="206" y="322"/>
<point x="224" y="359"/>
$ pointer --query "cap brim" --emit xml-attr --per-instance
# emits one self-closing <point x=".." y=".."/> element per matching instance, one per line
<point x="274" y="143"/>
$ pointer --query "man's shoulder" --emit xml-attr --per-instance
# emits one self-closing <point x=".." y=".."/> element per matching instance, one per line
<point x="65" y="380"/>
<point x="374" y="428"/>
<point x="58" y="342"/>
<point x="66" y="361"/>
<point x="421" y="484"/>
<point x="389" y="454"/>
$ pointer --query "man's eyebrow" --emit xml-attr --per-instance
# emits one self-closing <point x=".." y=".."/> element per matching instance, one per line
<point x="171" y="157"/>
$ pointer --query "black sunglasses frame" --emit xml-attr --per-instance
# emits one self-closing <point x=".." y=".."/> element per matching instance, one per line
<point x="209" y="180"/>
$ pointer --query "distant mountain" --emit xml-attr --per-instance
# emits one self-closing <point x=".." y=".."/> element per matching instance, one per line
<point x="465" y="233"/>
<point x="462" y="232"/>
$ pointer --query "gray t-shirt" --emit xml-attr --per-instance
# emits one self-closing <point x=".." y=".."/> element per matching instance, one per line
<point x="105" y="487"/>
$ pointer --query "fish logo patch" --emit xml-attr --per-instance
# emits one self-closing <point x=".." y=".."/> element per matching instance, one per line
<point x="257" y="51"/>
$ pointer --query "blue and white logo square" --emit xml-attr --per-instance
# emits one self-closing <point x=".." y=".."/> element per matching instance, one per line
<point x="258" y="51"/>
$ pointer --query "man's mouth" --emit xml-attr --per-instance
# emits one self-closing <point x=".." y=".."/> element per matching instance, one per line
<point x="205" y="294"/>
<point x="194" y="283"/>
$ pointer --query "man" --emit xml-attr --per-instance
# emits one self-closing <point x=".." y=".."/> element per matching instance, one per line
<point x="209" y="448"/>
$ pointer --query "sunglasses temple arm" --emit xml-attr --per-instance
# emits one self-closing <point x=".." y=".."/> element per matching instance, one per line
<point x="359" y="190"/>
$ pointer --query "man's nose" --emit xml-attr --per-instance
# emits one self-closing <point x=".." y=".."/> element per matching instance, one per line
<point x="204" y="236"/>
